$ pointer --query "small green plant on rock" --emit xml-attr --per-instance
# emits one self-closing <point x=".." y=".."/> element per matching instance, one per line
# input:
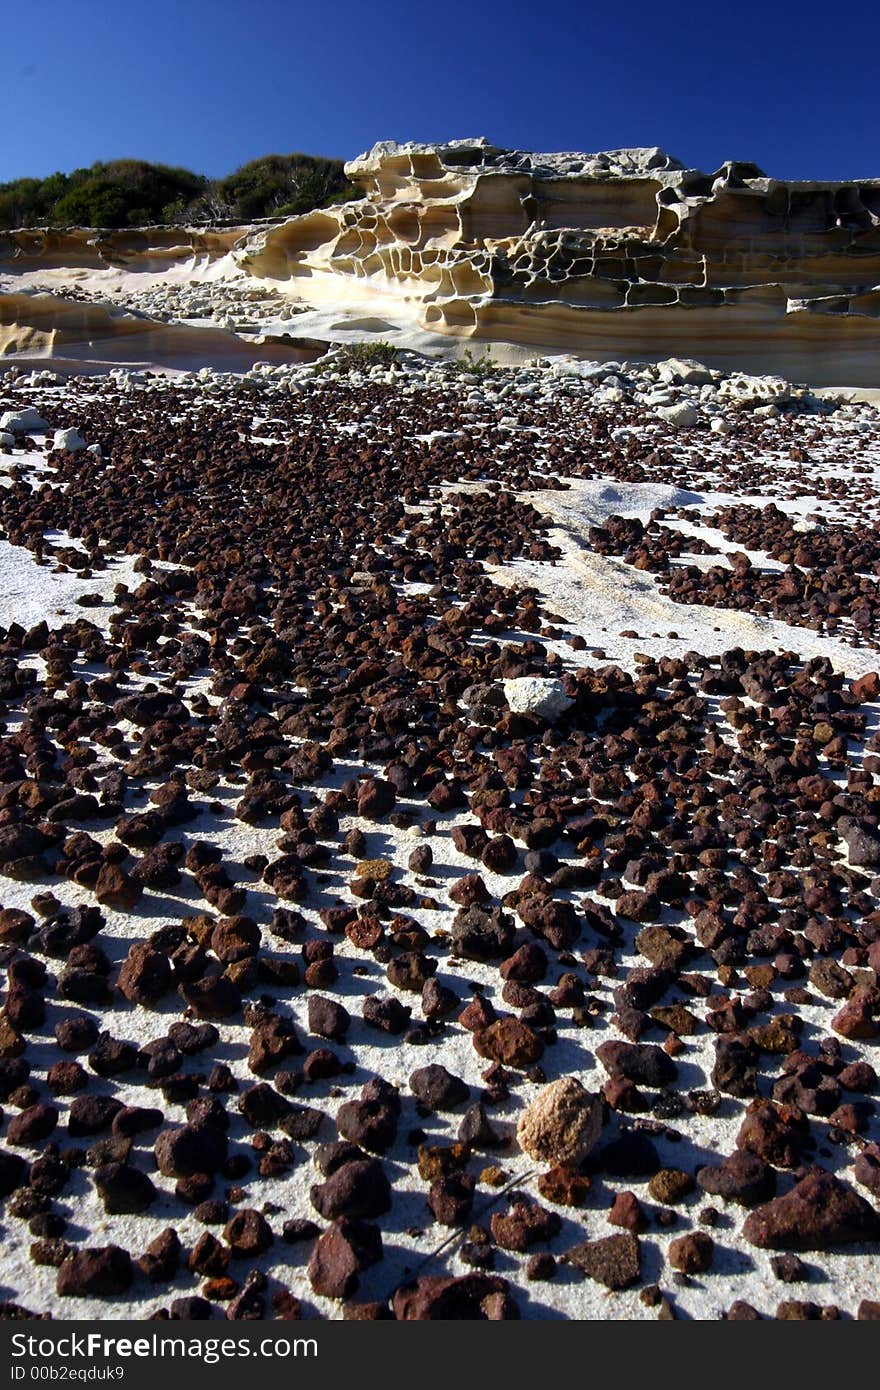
<point x="484" y="365"/>
<point x="359" y="357"/>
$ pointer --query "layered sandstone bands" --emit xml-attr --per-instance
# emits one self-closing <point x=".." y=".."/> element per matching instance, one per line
<point x="620" y="254"/>
<point x="80" y="335"/>
<point x="51" y="305"/>
<point x="148" y="249"/>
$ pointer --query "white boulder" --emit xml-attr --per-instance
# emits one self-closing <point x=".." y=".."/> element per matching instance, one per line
<point x="682" y="416"/>
<point x="611" y="395"/>
<point x="756" y="390"/>
<point x="684" y="369"/>
<point x="541" y="695"/>
<point x="69" y="440"/>
<point x="28" y="420"/>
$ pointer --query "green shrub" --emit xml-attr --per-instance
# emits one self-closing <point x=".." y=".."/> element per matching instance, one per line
<point x="359" y="357"/>
<point x="133" y="192"/>
<point x="98" y="203"/>
<point x="281" y="185"/>
<point x="484" y="365"/>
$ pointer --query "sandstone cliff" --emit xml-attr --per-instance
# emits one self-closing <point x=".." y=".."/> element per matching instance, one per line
<point x="620" y="254"/>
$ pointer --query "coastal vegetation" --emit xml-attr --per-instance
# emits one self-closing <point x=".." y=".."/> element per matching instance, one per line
<point x="133" y="192"/>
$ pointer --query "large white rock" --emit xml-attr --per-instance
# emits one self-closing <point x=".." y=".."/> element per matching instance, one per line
<point x="541" y="695"/>
<point x="611" y="395"/>
<point x="757" y="390"/>
<point x="28" y="420"/>
<point x="682" y="416"/>
<point x="685" y="370"/>
<point x="70" y="440"/>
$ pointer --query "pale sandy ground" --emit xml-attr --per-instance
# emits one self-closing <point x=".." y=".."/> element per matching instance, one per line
<point x="598" y="597"/>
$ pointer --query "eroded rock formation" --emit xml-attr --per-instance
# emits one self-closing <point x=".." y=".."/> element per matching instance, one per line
<point x="620" y="254"/>
<point x="79" y="334"/>
<point x="151" y="249"/>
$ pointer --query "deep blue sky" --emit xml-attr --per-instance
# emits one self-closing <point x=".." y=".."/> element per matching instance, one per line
<point x="213" y="83"/>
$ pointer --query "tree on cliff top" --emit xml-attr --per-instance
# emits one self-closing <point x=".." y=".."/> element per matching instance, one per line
<point x="282" y="184"/>
<point x="125" y="192"/>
